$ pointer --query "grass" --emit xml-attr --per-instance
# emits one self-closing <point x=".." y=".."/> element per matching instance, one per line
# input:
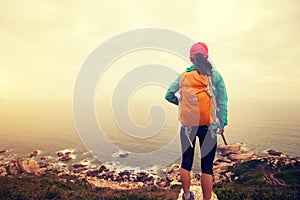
<point x="251" y="185"/>
<point x="240" y="192"/>
<point x="49" y="186"/>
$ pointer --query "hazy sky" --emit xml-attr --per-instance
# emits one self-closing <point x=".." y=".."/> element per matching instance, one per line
<point x="254" y="44"/>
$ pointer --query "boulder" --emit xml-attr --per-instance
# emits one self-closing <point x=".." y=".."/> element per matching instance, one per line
<point x="12" y="168"/>
<point x="228" y="149"/>
<point x="34" y="154"/>
<point x="3" y="151"/>
<point x="79" y="165"/>
<point x="272" y="152"/>
<point x="60" y="154"/>
<point x="65" y="158"/>
<point x="102" y="168"/>
<point x="241" y="156"/>
<point x="27" y="165"/>
<point x="124" y="154"/>
<point x="142" y="177"/>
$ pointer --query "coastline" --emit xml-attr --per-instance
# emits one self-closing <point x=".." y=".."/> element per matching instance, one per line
<point x="229" y="157"/>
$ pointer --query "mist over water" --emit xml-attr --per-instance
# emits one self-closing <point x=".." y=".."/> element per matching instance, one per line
<point x="257" y="125"/>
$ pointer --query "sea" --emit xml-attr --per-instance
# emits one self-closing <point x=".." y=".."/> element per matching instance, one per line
<point x="257" y="126"/>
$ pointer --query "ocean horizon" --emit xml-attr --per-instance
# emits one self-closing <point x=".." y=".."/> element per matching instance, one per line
<point x="256" y="128"/>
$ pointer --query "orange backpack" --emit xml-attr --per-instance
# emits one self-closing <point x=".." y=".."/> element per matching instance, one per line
<point x="197" y="105"/>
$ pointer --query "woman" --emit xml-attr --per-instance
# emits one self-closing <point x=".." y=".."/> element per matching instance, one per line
<point x="205" y="130"/>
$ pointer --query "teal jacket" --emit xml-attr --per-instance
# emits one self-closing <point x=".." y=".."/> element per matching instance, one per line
<point x="219" y="92"/>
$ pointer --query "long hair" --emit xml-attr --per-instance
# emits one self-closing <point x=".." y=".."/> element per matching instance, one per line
<point x="202" y="65"/>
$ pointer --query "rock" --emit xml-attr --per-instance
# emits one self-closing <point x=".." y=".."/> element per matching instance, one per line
<point x="3" y="171"/>
<point x="43" y="164"/>
<point x="92" y="173"/>
<point x="293" y="161"/>
<point x="150" y="180"/>
<point x="106" y="170"/>
<point x="198" y="176"/>
<point x="102" y="168"/>
<point x="197" y="190"/>
<point x="195" y="181"/>
<point x="3" y="151"/>
<point x="132" y="186"/>
<point x="241" y="156"/>
<point x="272" y="152"/>
<point x="27" y="165"/>
<point x="12" y="168"/>
<point x="45" y="157"/>
<point x="171" y="177"/>
<point x="175" y="168"/>
<point x="65" y="158"/>
<point x="34" y="154"/>
<point x="229" y="176"/>
<point x="60" y="154"/>
<point x="142" y="177"/>
<point x="124" y="155"/>
<point x="72" y="181"/>
<point x="111" y="176"/>
<point x="140" y="184"/>
<point x="173" y="174"/>
<point x="79" y="170"/>
<point x="228" y="149"/>
<point x="79" y="165"/>
<point x="223" y="159"/>
<point x="162" y="183"/>
<point x="125" y="177"/>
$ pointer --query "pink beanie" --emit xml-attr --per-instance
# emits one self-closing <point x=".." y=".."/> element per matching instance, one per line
<point x="199" y="48"/>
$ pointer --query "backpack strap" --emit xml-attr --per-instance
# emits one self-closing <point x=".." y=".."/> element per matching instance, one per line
<point x="187" y="132"/>
<point x="210" y="93"/>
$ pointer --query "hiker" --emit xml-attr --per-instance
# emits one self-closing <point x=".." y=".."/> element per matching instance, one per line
<point x="210" y="100"/>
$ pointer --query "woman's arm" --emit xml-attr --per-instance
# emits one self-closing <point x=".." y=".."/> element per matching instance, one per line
<point x="221" y="98"/>
<point x="170" y="95"/>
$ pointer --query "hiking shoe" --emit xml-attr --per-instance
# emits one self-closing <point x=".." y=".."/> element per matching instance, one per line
<point x="192" y="197"/>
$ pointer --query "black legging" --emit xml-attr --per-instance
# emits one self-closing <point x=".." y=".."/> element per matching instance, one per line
<point x="208" y="146"/>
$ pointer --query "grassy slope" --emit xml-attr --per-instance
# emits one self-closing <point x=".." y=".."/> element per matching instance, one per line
<point x="251" y="184"/>
<point x="49" y="186"/>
